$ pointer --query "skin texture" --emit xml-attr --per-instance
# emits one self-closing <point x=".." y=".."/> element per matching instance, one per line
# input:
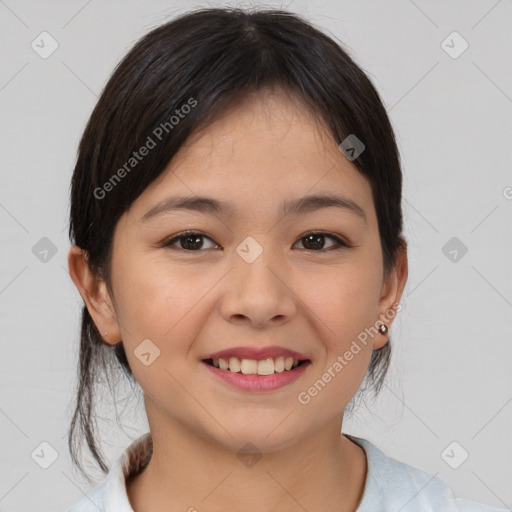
<point x="196" y="302"/>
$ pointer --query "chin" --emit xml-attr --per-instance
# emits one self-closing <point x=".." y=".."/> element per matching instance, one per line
<point x="266" y="436"/>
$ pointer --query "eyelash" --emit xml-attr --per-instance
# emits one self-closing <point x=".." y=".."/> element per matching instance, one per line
<point x="340" y="242"/>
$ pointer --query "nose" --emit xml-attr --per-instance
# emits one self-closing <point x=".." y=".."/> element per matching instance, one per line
<point x="259" y="293"/>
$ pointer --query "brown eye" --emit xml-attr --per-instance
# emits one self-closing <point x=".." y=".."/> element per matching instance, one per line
<point x="316" y="242"/>
<point x="189" y="241"/>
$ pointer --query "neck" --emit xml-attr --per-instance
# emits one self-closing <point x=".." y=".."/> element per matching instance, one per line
<point x="325" y="471"/>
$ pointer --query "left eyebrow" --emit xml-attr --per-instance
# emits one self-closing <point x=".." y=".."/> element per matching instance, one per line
<point x="312" y="203"/>
<point x="302" y="205"/>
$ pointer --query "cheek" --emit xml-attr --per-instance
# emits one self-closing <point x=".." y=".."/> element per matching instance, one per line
<point x="168" y="304"/>
<point x="344" y="300"/>
<point x="153" y="295"/>
<point x="153" y="306"/>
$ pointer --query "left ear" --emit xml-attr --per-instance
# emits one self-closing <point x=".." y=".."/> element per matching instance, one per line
<point x="391" y="294"/>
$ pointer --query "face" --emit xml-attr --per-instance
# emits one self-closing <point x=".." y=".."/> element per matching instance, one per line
<point x="308" y="280"/>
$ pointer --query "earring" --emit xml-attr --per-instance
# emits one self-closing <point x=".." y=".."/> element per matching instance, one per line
<point x="383" y="328"/>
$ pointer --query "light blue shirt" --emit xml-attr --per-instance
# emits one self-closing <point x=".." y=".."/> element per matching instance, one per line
<point x="390" y="486"/>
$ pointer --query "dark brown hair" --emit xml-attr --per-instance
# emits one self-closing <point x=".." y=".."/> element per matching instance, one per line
<point x="214" y="56"/>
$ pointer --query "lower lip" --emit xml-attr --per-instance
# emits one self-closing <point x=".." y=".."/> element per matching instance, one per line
<point x="259" y="383"/>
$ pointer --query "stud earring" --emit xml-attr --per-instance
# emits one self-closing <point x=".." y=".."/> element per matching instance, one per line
<point x="383" y="328"/>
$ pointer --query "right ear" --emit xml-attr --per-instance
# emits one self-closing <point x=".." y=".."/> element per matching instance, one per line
<point x="95" y="295"/>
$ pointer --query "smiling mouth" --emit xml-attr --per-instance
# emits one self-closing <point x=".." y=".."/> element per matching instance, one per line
<point x="263" y="367"/>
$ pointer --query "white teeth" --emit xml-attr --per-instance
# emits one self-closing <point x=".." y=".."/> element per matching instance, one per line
<point x="248" y="367"/>
<point x="256" y="367"/>
<point x="279" y="364"/>
<point x="266" y="367"/>
<point x="234" y="364"/>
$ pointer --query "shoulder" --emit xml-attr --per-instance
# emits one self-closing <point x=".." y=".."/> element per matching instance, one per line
<point x="392" y="485"/>
<point x="110" y="494"/>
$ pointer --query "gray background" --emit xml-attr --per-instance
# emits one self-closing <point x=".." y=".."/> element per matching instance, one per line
<point x="450" y="378"/>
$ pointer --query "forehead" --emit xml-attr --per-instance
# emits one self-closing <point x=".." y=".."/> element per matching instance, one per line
<point x="266" y="120"/>
<point x="259" y="151"/>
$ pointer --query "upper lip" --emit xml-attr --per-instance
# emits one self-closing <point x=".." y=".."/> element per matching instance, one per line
<point x="257" y="353"/>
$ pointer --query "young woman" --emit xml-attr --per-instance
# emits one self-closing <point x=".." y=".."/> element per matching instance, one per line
<point x="237" y="240"/>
